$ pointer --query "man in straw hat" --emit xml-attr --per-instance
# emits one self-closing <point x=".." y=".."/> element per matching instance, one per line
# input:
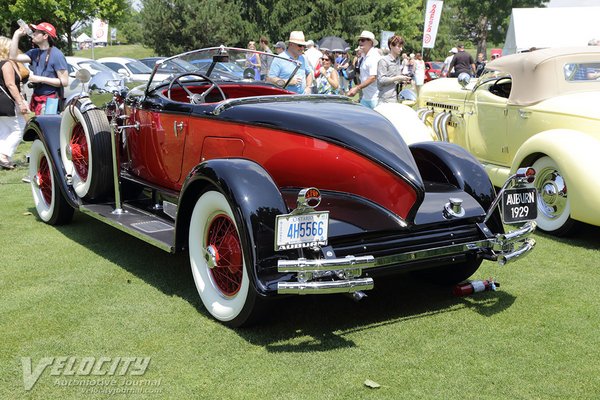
<point x="48" y="64"/>
<point x="368" y="70"/>
<point x="281" y="71"/>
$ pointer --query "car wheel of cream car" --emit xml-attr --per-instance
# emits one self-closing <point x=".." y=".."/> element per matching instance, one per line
<point x="554" y="208"/>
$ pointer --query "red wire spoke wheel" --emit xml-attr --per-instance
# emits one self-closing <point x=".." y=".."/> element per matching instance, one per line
<point x="50" y="203"/>
<point x="44" y="180"/>
<point x="218" y="261"/>
<point x="79" y="152"/>
<point x="228" y="271"/>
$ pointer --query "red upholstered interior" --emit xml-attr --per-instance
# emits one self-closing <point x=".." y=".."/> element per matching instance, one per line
<point x="232" y="91"/>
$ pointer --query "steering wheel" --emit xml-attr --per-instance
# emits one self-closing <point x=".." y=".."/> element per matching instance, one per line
<point x="501" y="87"/>
<point x="195" y="98"/>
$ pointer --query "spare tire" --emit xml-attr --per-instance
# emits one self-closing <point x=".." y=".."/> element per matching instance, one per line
<point x="86" y="154"/>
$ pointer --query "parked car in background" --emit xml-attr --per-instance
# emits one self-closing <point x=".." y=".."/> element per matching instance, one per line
<point x="230" y="70"/>
<point x="267" y="196"/>
<point x="131" y="68"/>
<point x="433" y="70"/>
<point x="539" y="108"/>
<point x="93" y="66"/>
<point x="170" y="66"/>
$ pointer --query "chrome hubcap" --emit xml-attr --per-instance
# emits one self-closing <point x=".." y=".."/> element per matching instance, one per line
<point x="211" y="255"/>
<point x="552" y="191"/>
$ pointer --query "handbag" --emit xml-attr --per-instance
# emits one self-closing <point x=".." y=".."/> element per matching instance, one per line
<point x="7" y="104"/>
<point x="349" y="73"/>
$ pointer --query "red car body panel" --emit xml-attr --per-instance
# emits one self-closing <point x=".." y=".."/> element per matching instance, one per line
<point x="292" y="159"/>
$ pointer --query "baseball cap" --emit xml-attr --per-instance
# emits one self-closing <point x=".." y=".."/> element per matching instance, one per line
<point x="45" y="27"/>
<point x="453" y="50"/>
<point x="280" y="45"/>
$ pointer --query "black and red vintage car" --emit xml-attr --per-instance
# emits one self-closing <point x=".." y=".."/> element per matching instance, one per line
<point x="270" y="192"/>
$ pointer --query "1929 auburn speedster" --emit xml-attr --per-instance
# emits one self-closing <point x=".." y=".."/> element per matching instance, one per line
<point x="271" y="192"/>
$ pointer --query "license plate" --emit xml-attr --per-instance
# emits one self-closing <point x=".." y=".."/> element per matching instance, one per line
<point x="295" y="231"/>
<point x="519" y="205"/>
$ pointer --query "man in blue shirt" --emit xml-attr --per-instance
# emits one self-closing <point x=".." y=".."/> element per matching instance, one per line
<point x="281" y="70"/>
<point x="48" y="64"/>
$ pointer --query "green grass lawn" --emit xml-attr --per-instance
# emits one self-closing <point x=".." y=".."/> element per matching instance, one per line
<point x="131" y="50"/>
<point x="89" y="290"/>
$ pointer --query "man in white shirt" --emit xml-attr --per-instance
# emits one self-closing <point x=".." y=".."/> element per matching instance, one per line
<point x="445" y="69"/>
<point x="312" y="55"/>
<point x="368" y="70"/>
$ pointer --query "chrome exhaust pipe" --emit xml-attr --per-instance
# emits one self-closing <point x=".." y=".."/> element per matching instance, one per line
<point x="436" y="125"/>
<point x="444" y="126"/>
<point x="426" y="114"/>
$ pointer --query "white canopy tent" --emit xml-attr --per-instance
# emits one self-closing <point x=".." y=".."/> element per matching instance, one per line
<point x="551" y="27"/>
<point x="83" y="38"/>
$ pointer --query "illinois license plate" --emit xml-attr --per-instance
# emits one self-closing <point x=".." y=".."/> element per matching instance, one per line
<point x="301" y="230"/>
<point x="519" y="205"/>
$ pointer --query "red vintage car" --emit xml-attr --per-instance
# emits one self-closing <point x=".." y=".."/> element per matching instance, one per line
<point x="271" y="193"/>
<point x="433" y="70"/>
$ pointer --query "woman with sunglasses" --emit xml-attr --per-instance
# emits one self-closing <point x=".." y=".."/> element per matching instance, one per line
<point x="328" y="81"/>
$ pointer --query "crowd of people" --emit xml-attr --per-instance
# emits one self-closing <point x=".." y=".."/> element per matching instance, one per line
<point x="374" y="75"/>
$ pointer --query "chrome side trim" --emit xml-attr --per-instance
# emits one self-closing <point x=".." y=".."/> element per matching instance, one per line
<point x="325" y="287"/>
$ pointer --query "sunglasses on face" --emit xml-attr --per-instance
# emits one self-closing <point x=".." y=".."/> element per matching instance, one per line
<point x="362" y="40"/>
<point x="300" y="45"/>
<point x="325" y="59"/>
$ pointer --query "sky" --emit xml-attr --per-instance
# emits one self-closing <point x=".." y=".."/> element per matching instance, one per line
<point x="573" y="3"/>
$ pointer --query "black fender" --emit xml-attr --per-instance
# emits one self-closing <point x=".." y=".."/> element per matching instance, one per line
<point x="47" y="129"/>
<point x="448" y="162"/>
<point x="255" y="200"/>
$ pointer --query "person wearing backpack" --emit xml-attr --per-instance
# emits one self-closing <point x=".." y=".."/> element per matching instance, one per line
<point x="49" y="73"/>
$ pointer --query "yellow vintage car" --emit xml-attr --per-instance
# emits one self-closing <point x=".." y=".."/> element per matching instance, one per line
<point x="539" y="109"/>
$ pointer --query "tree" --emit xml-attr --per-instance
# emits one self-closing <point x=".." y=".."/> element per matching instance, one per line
<point x="478" y="21"/>
<point x="63" y="14"/>
<point x="174" y="26"/>
<point x="319" y="18"/>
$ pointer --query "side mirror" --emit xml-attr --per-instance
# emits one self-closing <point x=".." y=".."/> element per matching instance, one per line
<point x="83" y="75"/>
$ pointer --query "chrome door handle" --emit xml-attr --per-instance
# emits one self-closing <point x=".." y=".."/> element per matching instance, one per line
<point x="177" y="127"/>
<point x="524" y="113"/>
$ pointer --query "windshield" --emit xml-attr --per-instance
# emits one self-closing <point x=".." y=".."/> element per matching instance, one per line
<point x="233" y="64"/>
<point x="437" y="65"/>
<point x="138" y="67"/>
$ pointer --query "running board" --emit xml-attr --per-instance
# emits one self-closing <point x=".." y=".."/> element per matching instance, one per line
<point x="145" y="226"/>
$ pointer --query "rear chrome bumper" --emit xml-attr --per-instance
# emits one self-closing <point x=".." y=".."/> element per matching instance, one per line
<point x="342" y="275"/>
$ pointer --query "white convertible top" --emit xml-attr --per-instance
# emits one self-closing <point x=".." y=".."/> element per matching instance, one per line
<point x="540" y="74"/>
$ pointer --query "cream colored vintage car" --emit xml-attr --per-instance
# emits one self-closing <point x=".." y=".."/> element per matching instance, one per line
<point x="539" y="109"/>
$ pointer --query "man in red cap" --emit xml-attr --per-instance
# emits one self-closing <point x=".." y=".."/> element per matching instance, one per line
<point x="48" y="64"/>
